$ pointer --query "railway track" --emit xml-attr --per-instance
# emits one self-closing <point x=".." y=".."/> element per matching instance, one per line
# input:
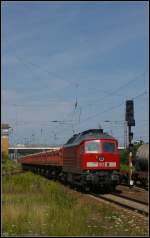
<point x="137" y="186"/>
<point x="128" y="203"/>
<point x="134" y="193"/>
<point x="130" y="199"/>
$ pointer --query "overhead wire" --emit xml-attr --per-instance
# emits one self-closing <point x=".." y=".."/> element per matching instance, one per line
<point x="76" y="103"/>
<point x="114" y="107"/>
<point x="120" y="87"/>
<point x="38" y="66"/>
<point x="109" y="109"/>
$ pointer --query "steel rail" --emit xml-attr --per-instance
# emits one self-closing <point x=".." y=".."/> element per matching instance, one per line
<point x="129" y="198"/>
<point x="123" y="202"/>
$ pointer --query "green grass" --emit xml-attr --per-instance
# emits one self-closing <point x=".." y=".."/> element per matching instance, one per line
<point x="33" y="205"/>
<point x="9" y="166"/>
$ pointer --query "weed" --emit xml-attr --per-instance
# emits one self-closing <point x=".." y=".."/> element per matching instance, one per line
<point x="35" y="206"/>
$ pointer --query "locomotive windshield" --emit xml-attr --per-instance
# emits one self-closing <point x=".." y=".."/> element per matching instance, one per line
<point x="92" y="147"/>
<point x="108" y="147"/>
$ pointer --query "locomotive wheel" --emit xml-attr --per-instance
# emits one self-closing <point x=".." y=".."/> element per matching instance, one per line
<point x="113" y="187"/>
<point x="85" y="188"/>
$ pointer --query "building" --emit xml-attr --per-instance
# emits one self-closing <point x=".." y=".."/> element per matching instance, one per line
<point x="5" y="138"/>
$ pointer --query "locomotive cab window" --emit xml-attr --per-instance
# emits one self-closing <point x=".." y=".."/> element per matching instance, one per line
<point x="108" y="147"/>
<point x="92" y="147"/>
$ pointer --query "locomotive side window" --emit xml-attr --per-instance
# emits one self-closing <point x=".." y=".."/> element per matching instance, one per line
<point x="92" y="147"/>
<point x="108" y="147"/>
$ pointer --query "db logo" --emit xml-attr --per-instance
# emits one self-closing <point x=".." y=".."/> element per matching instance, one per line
<point x="101" y="159"/>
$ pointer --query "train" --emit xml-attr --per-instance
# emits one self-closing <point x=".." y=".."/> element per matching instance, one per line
<point x="140" y="171"/>
<point x="88" y="159"/>
<point x="140" y="163"/>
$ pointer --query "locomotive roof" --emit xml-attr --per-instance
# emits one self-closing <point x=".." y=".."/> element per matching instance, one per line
<point x="88" y="134"/>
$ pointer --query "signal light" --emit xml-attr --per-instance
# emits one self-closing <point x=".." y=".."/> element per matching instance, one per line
<point x="130" y="113"/>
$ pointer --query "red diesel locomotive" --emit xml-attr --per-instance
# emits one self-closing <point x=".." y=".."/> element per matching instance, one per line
<point x="88" y="159"/>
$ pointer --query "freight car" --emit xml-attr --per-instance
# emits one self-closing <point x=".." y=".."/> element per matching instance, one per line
<point x="140" y="162"/>
<point x="47" y="162"/>
<point x="88" y="159"/>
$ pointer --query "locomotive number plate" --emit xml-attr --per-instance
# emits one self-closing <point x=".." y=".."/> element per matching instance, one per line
<point x="101" y="164"/>
<point x="107" y="164"/>
<point x="92" y="164"/>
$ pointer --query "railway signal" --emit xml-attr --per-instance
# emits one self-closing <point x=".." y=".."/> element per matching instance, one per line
<point x="129" y="117"/>
<point x="130" y="112"/>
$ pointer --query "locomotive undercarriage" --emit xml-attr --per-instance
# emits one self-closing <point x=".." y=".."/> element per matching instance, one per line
<point x="93" y="179"/>
<point x="51" y="172"/>
<point x="87" y="180"/>
<point x="101" y="179"/>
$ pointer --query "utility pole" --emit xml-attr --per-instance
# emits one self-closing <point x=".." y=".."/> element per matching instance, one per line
<point x="130" y="182"/>
<point x="125" y="131"/>
<point x="33" y="137"/>
<point x="129" y="117"/>
<point x="125" y="134"/>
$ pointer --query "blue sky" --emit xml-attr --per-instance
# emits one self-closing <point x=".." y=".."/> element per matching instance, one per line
<point x="58" y="54"/>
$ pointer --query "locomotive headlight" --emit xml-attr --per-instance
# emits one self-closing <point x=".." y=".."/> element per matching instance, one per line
<point x="101" y="159"/>
<point x="115" y="176"/>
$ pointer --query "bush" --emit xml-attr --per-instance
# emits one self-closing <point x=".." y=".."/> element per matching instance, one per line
<point x="4" y="157"/>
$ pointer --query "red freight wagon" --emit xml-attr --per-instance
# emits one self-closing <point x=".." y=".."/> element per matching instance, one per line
<point x="44" y="158"/>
